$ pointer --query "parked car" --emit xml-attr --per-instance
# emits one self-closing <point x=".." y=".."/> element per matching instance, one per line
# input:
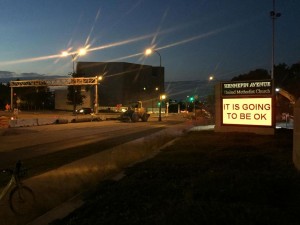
<point x="84" y="111"/>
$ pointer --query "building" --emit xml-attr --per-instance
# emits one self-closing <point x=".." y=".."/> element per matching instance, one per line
<point x="124" y="83"/>
<point x="61" y="102"/>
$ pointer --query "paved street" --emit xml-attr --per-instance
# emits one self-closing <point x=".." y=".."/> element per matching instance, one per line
<point x="36" y="140"/>
<point x="122" y="144"/>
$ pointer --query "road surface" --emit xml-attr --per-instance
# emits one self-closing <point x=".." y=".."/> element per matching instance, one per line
<point x="67" y="158"/>
<point x="25" y="142"/>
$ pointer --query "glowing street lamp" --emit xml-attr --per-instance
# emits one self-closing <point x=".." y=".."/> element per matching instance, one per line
<point x="82" y="51"/>
<point x="64" y="54"/>
<point x="274" y="15"/>
<point x="74" y="55"/>
<point x="161" y="98"/>
<point x="149" y="51"/>
<point x="98" y="78"/>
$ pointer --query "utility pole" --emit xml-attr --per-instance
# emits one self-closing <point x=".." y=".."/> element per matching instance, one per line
<point x="273" y="15"/>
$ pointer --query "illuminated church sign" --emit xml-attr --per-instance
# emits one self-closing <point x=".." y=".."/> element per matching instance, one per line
<point x="247" y="103"/>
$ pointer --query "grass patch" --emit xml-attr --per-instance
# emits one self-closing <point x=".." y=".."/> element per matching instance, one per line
<point x="204" y="178"/>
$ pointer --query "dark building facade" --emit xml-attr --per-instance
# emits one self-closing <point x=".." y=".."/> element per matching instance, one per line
<point x="125" y="83"/>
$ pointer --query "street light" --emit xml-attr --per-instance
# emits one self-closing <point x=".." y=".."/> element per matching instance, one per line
<point x="273" y="15"/>
<point x="161" y="98"/>
<point x="98" y="78"/>
<point x="74" y="55"/>
<point x="149" y="51"/>
<point x="152" y="98"/>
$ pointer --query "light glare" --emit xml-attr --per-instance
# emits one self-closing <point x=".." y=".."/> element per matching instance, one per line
<point x="148" y="51"/>
<point x="82" y="51"/>
<point x="64" y="54"/>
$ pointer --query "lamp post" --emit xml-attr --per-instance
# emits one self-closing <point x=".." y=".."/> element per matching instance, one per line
<point x="74" y="55"/>
<point x="98" y="78"/>
<point x="73" y="61"/>
<point x="186" y="104"/>
<point x="161" y="98"/>
<point x="156" y="90"/>
<point x="149" y="51"/>
<point x="273" y="15"/>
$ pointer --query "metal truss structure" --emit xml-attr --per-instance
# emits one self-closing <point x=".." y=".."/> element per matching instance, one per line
<point x="56" y="82"/>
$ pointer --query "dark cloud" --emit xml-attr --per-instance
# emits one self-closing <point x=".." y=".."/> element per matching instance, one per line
<point x="9" y="74"/>
<point x="31" y="75"/>
<point x="6" y="74"/>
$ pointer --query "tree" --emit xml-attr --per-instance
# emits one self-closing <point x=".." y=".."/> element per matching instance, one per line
<point x="4" y="95"/>
<point x="293" y="82"/>
<point x="74" y="94"/>
<point x="285" y="77"/>
<point x="281" y="74"/>
<point x="35" y="98"/>
<point x="209" y="104"/>
<point x="258" y="74"/>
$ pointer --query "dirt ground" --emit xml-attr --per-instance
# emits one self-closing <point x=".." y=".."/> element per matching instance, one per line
<point x="203" y="178"/>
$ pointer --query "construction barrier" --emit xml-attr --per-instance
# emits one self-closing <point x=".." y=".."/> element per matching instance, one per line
<point x="4" y="121"/>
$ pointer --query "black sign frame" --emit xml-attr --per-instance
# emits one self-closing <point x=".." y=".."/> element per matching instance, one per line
<point x="248" y="89"/>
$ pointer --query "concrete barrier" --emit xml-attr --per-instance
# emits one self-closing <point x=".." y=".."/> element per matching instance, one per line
<point x="23" y="122"/>
<point x="61" y="121"/>
<point x="46" y="121"/>
<point x="85" y="119"/>
<point x="28" y="122"/>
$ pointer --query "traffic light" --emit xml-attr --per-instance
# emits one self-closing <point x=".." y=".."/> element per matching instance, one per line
<point x="191" y="99"/>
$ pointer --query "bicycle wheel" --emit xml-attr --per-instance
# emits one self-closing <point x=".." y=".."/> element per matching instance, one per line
<point x="21" y="200"/>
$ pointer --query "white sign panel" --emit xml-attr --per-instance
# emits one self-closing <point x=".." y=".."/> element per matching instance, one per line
<point x="247" y="111"/>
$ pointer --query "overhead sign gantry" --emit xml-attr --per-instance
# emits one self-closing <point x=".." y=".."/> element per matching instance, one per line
<point x="55" y="82"/>
<point x="78" y="81"/>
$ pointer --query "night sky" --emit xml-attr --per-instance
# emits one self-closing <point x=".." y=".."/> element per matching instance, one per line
<point x="195" y="38"/>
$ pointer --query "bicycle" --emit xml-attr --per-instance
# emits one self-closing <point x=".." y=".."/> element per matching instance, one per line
<point x="21" y="197"/>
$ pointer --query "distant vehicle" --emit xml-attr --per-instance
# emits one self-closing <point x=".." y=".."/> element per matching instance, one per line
<point x="135" y="113"/>
<point x="84" y="111"/>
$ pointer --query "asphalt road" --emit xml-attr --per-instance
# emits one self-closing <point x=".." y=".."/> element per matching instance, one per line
<point x="26" y="142"/>
<point x="75" y="140"/>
